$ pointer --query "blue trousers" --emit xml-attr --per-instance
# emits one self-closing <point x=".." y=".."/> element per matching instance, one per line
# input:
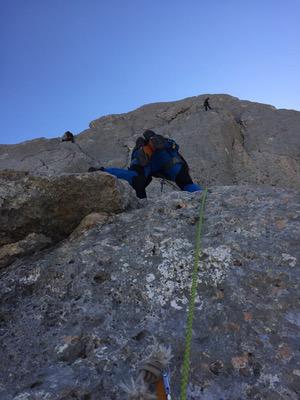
<point x="129" y="176"/>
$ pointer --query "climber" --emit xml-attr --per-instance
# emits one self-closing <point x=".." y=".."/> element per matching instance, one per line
<point x="68" y="137"/>
<point x="206" y="104"/>
<point x="154" y="156"/>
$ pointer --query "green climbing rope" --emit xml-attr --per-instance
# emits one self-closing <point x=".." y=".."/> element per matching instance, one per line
<point x="189" y="327"/>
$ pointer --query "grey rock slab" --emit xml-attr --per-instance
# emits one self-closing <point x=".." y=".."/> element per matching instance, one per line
<point x="97" y="303"/>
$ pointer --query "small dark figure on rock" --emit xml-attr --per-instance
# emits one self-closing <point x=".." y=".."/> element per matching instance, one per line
<point x="206" y="104"/>
<point x="68" y="137"/>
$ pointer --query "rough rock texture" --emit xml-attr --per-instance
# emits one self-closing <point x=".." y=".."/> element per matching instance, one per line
<point x="236" y="142"/>
<point x="90" y="221"/>
<point x="55" y="205"/>
<point x="96" y="304"/>
<point x="33" y="242"/>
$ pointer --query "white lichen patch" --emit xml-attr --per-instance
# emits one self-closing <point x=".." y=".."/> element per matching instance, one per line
<point x="214" y="269"/>
<point x="87" y="255"/>
<point x="31" y="278"/>
<point x="88" y="252"/>
<point x="61" y="348"/>
<point x="174" y="273"/>
<point x="175" y="305"/>
<point x="41" y="394"/>
<point x="106" y="243"/>
<point x="150" y="278"/>
<point x="287" y="258"/>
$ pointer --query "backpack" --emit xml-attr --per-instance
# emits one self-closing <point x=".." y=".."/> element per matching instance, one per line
<point x="158" y="142"/>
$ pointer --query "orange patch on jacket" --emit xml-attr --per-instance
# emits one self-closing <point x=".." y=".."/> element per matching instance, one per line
<point x="148" y="150"/>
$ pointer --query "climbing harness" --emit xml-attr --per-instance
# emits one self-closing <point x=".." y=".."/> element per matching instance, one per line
<point x="191" y="311"/>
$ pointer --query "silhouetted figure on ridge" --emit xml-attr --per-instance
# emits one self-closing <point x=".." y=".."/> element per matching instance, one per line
<point x="68" y="137"/>
<point x="206" y="104"/>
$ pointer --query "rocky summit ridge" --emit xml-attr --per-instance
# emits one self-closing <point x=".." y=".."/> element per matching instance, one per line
<point x="91" y="277"/>
<point x="237" y="142"/>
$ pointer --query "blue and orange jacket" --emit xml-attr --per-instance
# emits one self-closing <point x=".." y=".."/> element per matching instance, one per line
<point x="165" y="162"/>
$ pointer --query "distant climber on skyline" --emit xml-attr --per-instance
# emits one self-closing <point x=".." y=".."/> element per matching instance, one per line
<point x="206" y="104"/>
<point x="154" y="156"/>
<point x="68" y="137"/>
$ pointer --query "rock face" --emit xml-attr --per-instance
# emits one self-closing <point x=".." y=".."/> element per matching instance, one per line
<point x="95" y="303"/>
<point x="77" y="319"/>
<point x="238" y="142"/>
<point x="56" y="205"/>
<point x="31" y="243"/>
<point x="53" y="206"/>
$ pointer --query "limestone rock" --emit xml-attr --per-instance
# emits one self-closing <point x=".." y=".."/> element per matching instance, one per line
<point x="96" y="305"/>
<point x="90" y="221"/>
<point x="237" y="142"/>
<point x="55" y="205"/>
<point x="78" y="319"/>
<point x="33" y="242"/>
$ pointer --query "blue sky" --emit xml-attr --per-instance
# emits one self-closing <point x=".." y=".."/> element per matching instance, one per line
<point x="64" y="63"/>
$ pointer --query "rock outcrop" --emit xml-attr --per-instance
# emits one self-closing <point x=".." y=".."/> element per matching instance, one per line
<point x="238" y="142"/>
<point x="97" y="302"/>
<point x="41" y="206"/>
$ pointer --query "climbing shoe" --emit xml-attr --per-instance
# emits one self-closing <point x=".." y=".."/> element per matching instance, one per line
<point x="93" y="169"/>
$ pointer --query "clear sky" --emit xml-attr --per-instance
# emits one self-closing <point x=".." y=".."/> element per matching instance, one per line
<point x="64" y="63"/>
